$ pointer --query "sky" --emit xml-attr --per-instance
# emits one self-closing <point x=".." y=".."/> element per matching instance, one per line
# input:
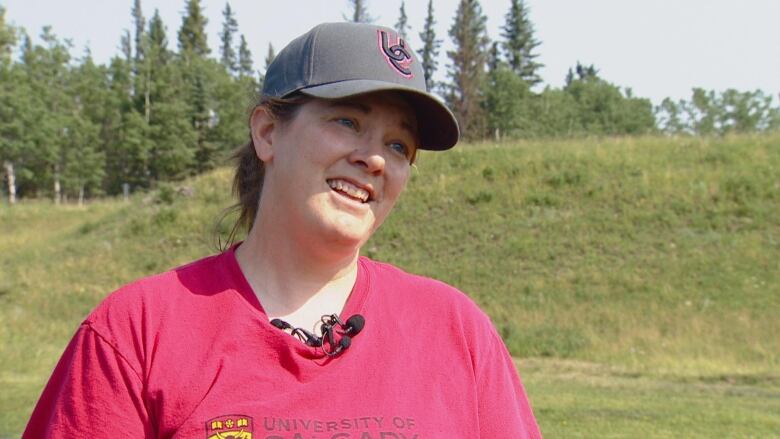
<point x="659" y="48"/>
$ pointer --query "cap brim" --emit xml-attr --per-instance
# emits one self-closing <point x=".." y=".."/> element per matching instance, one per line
<point x="438" y="126"/>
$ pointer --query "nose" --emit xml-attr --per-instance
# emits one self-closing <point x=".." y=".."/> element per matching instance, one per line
<point x="369" y="157"/>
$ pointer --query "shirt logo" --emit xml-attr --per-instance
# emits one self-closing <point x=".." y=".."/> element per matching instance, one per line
<point x="397" y="55"/>
<point x="229" y="427"/>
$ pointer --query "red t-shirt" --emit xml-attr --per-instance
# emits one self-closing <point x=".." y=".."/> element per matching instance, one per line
<point x="191" y="354"/>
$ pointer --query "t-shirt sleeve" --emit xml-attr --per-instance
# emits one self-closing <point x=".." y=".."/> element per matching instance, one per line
<point x="504" y="410"/>
<point x="93" y="392"/>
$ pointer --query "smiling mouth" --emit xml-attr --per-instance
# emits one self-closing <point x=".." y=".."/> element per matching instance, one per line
<point x="349" y="190"/>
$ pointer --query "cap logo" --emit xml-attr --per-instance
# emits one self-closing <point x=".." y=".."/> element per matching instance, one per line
<point x="397" y="55"/>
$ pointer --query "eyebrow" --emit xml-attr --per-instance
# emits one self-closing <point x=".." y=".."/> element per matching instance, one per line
<point x="365" y="109"/>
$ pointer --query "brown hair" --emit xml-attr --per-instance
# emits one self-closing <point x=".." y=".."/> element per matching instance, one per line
<point x="250" y="170"/>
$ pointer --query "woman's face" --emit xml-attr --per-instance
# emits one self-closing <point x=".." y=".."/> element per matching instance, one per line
<point x="335" y="171"/>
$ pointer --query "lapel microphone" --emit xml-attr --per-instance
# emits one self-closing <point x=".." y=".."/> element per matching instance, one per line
<point x="331" y="327"/>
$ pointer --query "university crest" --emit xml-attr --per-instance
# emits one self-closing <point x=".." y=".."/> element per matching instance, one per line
<point x="229" y="427"/>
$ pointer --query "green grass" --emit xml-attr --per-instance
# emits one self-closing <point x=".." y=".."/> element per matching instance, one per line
<point x="656" y="257"/>
<point x="573" y="399"/>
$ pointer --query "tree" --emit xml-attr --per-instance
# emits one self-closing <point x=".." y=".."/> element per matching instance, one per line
<point x="359" y="12"/>
<point x="430" y="48"/>
<point x="10" y="129"/>
<point x="172" y="137"/>
<point x="669" y="117"/>
<point x="703" y="112"/>
<point x="7" y="38"/>
<point x="84" y="158"/>
<point x="403" y="22"/>
<point x="158" y="40"/>
<point x="467" y="69"/>
<point x="605" y="109"/>
<point x="46" y="68"/>
<point x="228" y="56"/>
<point x="506" y="101"/>
<point x="245" y="65"/>
<point x="269" y="57"/>
<point x="192" y="33"/>
<point x="128" y="145"/>
<point x="140" y="24"/>
<point x="519" y="43"/>
<point x="126" y="46"/>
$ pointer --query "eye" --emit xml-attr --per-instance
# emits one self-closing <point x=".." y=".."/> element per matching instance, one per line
<point x="400" y="148"/>
<point x="347" y="122"/>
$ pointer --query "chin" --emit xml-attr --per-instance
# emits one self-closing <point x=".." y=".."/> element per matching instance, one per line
<point x="348" y="234"/>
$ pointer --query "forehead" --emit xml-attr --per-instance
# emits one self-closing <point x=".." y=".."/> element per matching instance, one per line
<point x="386" y="105"/>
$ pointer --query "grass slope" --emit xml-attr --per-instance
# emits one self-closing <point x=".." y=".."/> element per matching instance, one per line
<point x="658" y="257"/>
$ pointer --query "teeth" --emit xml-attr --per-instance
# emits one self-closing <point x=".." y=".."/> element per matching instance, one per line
<point x="349" y="189"/>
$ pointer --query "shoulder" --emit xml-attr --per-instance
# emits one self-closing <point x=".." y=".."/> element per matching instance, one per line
<point x="424" y="294"/>
<point x="162" y="286"/>
<point x="147" y="303"/>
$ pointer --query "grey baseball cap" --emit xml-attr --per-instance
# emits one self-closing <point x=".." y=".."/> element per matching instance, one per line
<point x="338" y="60"/>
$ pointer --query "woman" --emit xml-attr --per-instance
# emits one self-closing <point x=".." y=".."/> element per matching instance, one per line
<point x="205" y="350"/>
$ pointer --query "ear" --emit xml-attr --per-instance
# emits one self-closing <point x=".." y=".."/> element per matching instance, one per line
<point x="261" y="127"/>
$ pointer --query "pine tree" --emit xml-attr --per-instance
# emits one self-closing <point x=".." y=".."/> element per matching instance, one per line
<point x="47" y="69"/>
<point x="171" y="135"/>
<point x="269" y="57"/>
<point x="229" y="29"/>
<point x="128" y="145"/>
<point x="359" y="12"/>
<point x="84" y="157"/>
<point x="519" y="43"/>
<point x="192" y="33"/>
<point x="173" y="138"/>
<point x="126" y="46"/>
<point x="493" y="59"/>
<point x="141" y="67"/>
<point x="403" y="22"/>
<point x="140" y="24"/>
<point x="467" y="69"/>
<point x="430" y="48"/>
<point x="158" y="40"/>
<point x="245" y="65"/>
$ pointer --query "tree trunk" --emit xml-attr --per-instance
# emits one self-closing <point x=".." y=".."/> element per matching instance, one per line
<point x="57" y="186"/>
<point x="81" y="195"/>
<point x="9" y="171"/>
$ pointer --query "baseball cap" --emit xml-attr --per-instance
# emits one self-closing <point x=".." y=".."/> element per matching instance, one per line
<point x="339" y="60"/>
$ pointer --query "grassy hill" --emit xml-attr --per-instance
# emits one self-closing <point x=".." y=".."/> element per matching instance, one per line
<point x="652" y="258"/>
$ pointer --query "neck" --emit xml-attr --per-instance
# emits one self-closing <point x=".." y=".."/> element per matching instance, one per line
<point x="290" y="279"/>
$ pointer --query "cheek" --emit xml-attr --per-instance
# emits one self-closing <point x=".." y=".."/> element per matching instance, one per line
<point x="397" y="183"/>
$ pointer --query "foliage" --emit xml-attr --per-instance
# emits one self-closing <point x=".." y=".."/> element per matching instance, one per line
<point x="467" y="68"/>
<point x="402" y="25"/>
<point x="430" y="47"/>
<point x="228" y="56"/>
<point x="245" y="64"/>
<point x="507" y="103"/>
<point x="359" y="12"/>
<point x="711" y="113"/>
<point x="192" y="33"/>
<point x="269" y="56"/>
<point x="519" y="43"/>
<point x="603" y="109"/>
